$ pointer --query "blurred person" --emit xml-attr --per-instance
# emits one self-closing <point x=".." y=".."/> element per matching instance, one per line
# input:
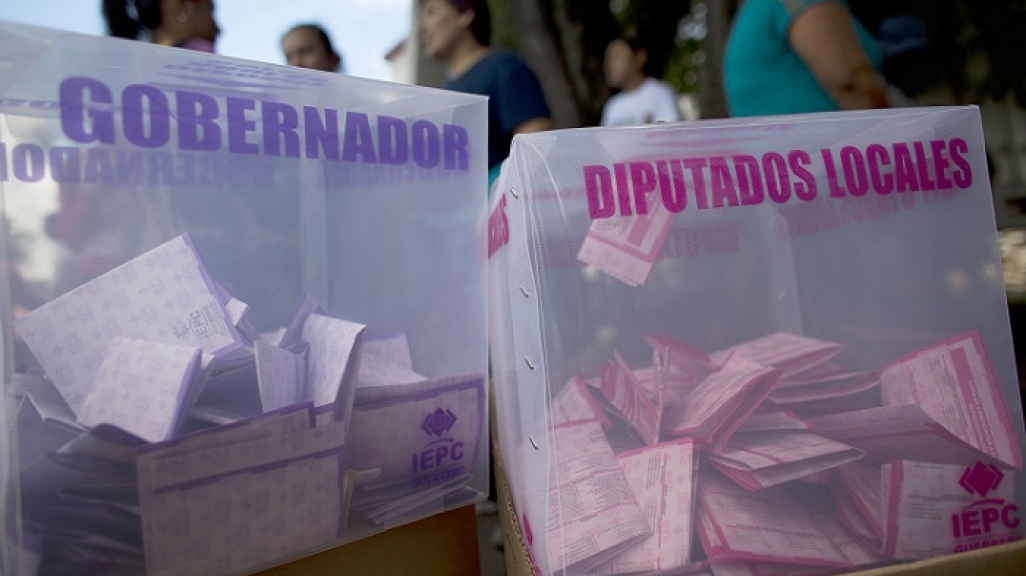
<point x="641" y="99"/>
<point x="458" y="33"/>
<point x="179" y="23"/>
<point x="309" y="46"/>
<point x="796" y="56"/>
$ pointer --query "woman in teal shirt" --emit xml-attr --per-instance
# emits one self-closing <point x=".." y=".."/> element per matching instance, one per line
<point x="793" y="56"/>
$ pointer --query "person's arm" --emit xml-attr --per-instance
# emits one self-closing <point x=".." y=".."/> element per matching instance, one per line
<point x="533" y="125"/>
<point x="824" y="37"/>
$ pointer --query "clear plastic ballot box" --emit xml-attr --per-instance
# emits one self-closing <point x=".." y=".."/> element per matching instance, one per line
<point x="244" y="310"/>
<point x="756" y="346"/>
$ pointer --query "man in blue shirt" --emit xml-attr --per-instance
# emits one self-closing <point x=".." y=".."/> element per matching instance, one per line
<point x="458" y="33"/>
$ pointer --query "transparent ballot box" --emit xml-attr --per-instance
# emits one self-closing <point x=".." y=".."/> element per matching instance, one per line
<point x="757" y="346"/>
<point x="243" y="312"/>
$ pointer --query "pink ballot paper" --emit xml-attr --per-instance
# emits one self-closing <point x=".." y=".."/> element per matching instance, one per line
<point x="142" y="387"/>
<point x="857" y="489"/>
<point x="626" y="246"/>
<point x="954" y="383"/>
<point x="791" y="353"/>
<point x="576" y="402"/>
<point x="593" y="514"/>
<point x="714" y="408"/>
<point x="766" y="526"/>
<point x="164" y="295"/>
<point x="663" y="480"/>
<point x="903" y="432"/>
<point x="806" y="387"/>
<point x="757" y="460"/>
<point x="934" y="509"/>
<point x="684" y="366"/>
<point x="632" y="401"/>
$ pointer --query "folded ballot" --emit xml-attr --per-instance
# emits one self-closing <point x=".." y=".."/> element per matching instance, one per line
<point x="649" y="471"/>
<point x="164" y="295"/>
<point x="594" y="515"/>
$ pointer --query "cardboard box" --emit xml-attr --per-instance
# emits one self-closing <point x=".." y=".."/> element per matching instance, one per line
<point x="441" y="545"/>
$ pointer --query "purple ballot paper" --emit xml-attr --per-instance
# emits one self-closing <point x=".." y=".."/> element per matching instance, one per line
<point x="164" y="295"/>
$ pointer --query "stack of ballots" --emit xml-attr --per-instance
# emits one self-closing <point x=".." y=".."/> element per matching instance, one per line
<point x="242" y="307"/>
<point x="162" y="432"/>
<point x="753" y="347"/>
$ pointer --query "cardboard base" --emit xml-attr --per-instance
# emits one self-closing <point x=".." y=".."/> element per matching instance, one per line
<point x="1004" y="560"/>
<point x="441" y="545"/>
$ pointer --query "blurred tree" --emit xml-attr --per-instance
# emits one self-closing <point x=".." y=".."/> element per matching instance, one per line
<point x="973" y="50"/>
<point x="564" y="41"/>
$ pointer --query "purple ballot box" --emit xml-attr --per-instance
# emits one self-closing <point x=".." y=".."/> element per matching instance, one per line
<point x="243" y="313"/>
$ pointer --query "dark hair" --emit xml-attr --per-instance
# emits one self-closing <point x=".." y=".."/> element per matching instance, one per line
<point x="481" y="27"/>
<point x="130" y="18"/>
<point x="636" y="45"/>
<point x="322" y="35"/>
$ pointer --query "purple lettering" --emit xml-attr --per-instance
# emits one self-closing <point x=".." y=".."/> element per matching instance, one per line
<point x="146" y="109"/>
<point x="239" y="125"/>
<point x="66" y="165"/>
<point x="98" y="169"/>
<point x="455" y="141"/>
<point x="197" y="126"/>
<point x="29" y="162"/>
<point x="321" y="136"/>
<point x="280" y="122"/>
<point x="426" y="151"/>
<point x="393" y="147"/>
<point x="427" y="461"/>
<point x="81" y="126"/>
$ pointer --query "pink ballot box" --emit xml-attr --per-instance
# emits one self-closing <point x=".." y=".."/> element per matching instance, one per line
<point x="243" y="313"/>
<point x="765" y="346"/>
